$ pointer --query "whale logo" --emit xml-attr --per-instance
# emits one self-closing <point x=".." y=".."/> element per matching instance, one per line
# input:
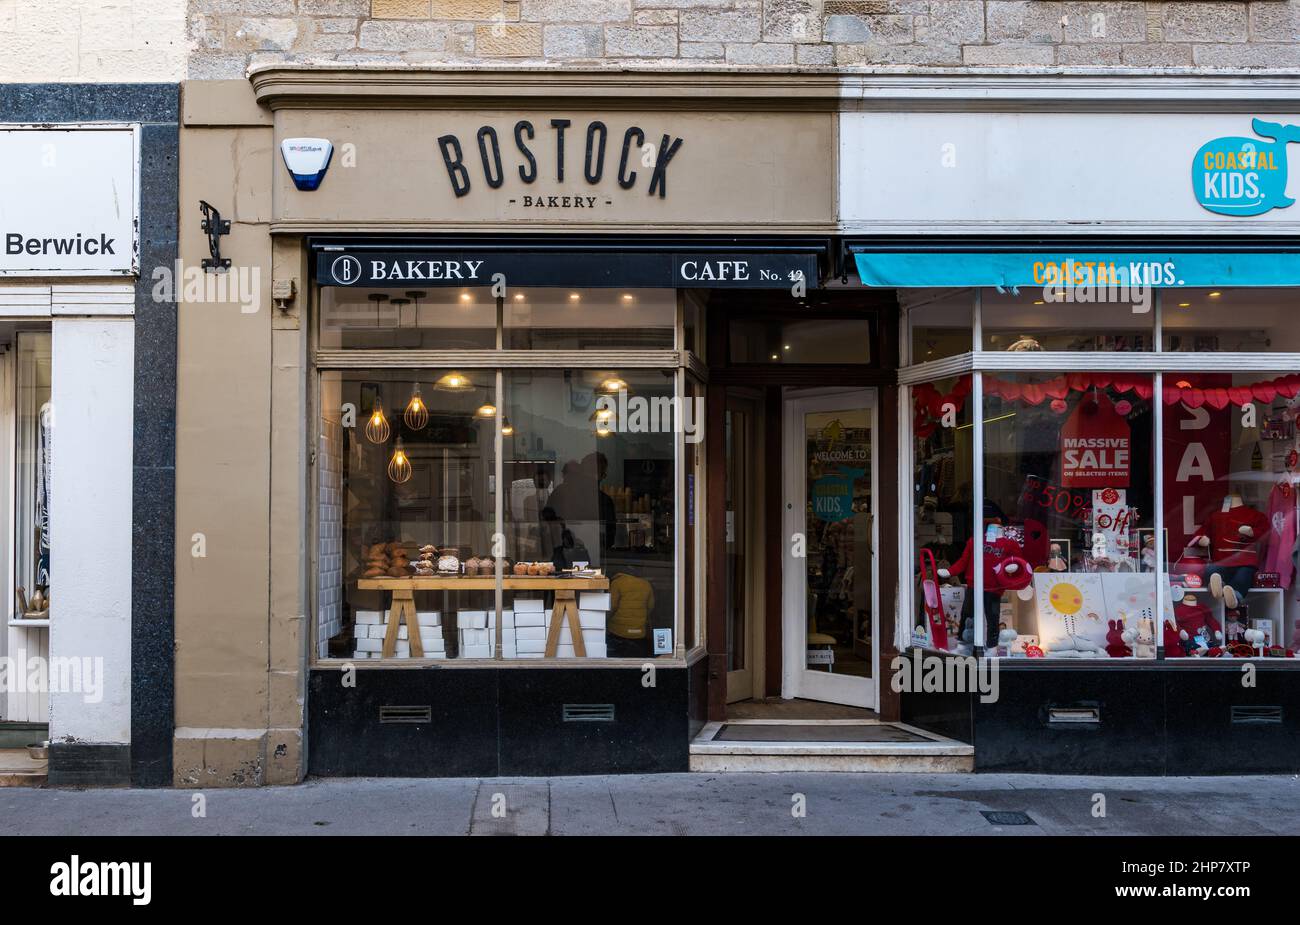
<point x="1244" y="176"/>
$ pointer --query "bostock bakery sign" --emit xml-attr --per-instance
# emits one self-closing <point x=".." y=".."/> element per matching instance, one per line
<point x="538" y="161"/>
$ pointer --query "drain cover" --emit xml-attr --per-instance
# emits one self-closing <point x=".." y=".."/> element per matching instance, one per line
<point x="1005" y="818"/>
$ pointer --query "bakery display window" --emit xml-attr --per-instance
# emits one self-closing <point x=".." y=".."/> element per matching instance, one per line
<point x="413" y="319"/>
<point x="530" y="509"/>
<point x="589" y="319"/>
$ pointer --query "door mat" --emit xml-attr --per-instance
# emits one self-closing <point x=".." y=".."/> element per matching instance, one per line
<point x="794" y="732"/>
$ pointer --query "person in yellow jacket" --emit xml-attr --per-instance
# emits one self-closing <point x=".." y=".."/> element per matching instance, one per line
<point x="631" y="599"/>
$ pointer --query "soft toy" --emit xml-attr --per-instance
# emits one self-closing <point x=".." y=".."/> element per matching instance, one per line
<point x="1116" y="646"/>
<point x="1199" y="631"/>
<point x="1144" y="642"/>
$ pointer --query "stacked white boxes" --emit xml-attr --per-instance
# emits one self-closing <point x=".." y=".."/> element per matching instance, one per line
<point x="371" y="627"/>
<point x="477" y="631"/>
<point x="593" y="609"/>
<point x="528" y="634"/>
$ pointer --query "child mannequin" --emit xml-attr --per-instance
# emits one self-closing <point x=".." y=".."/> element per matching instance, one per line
<point x="1231" y="536"/>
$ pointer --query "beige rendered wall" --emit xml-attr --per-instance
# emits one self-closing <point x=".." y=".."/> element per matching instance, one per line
<point x="228" y="35"/>
<point x="239" y="654"/>
<point x="92" y="41"/>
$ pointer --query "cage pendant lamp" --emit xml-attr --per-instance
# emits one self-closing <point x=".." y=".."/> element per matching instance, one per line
<point x="377" y="428"/>
<point x="417" y="413"/>
<point x="399" y="466"/>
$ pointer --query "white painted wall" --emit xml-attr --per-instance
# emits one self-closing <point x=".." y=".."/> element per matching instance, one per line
<point x="92" y="41"/>
<point x="90" y="523"/>
<point x="1039" y="172"/>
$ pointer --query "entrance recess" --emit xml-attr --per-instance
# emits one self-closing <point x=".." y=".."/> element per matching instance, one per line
<point x="829" y="569"/>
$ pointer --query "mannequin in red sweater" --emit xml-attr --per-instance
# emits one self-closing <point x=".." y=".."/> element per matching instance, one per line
<point x="1231" y="536"/>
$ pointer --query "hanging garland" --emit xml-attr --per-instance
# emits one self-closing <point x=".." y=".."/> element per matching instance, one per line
<point x="928" y="402"/>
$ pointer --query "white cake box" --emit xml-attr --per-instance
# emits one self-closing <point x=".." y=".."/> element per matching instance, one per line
<point x="530" y="632"/>
<point x="528" y="655"/>
<point x="530" y="645"/>
<point x="593" y="600"/>
<point x="472" y="620"/>
<point x="368" y="616"/>
<point x="484" y="637"/>
<point x="530" y="618"/>
<point x="370" y="645"/>
<point x="592" y="619"/>
<point x="529" y="605"/>
<point x="432" y="618"/>
<point x="476" y="652"/>
<point x="360" y="655"/>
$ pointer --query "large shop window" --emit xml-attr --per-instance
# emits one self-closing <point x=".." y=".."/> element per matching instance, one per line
<point x="512" y="512"/>
<point x="1126" y="510"/>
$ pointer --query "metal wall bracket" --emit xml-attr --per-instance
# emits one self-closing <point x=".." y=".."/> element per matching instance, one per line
<point x="214" y="226"/>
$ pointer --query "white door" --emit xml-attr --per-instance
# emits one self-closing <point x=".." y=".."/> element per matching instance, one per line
<point x="829" y="577"/>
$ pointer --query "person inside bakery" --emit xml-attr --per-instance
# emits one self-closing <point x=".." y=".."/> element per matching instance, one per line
<point x="579" y="518"/>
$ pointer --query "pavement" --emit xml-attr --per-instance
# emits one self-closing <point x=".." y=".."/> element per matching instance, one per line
<point x="677" y="804"/>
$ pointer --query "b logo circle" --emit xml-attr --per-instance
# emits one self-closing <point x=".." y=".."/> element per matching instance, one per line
<point x="346" y="270"/>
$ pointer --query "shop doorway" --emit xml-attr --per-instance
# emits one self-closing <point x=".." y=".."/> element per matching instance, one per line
<point x="743" y="423"/>
<point x="829" y="581"/>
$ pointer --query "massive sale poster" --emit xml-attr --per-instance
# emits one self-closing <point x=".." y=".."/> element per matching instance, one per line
<point x="1096" y="445"/>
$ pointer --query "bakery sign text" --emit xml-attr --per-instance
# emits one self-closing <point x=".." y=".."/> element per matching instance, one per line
<point x="536" y="154"/>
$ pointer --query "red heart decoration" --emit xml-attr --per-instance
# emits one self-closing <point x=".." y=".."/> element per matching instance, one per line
<point x="1124" y="383"/>
<point x="1217" y="398"/>
<point x="1144" y="389"/>
<point x="1264" y="391"/>
<point x="1173" y="395"/>
<point x="1078" y="382"/>
<point x="1193" y="398"/>
<point x="963" y="386"/>
<point x="1240" y="394"/>
<point x="1059" y="405"/>
<point x="1101" y="380"/>
<point x="1033" y="393"/>
<point x="1285" y="387"/>
<point x="1011" y="390"/>
<point x="1056" y="388"/>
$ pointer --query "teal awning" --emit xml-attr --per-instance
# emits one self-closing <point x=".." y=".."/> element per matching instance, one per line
<point x="900" y="270"/>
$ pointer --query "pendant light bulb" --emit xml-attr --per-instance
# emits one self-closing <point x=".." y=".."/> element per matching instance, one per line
<point x="486" y="410"/>
<point x="612" y="386"/>
<point x="377" y="429"/>
<point x="507" y="429"/>
<point x="399" y="467"/>
<point x="453" y="382"/>
<point x="417" y="413"/>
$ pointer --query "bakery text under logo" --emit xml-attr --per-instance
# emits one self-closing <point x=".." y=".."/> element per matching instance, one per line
<point x="1244" y="176"/>
<point x="630" y="161"/>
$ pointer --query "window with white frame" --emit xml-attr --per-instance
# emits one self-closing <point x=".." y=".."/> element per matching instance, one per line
<point x="1136" y="505"/>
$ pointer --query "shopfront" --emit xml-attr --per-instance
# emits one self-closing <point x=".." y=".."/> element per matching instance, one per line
<point x="74" y="539"/>
<point x="490" y="339"/>
<point x="1099" y="451"/>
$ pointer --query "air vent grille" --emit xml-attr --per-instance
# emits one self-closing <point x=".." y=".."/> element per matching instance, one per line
<point x="1256" y="716"/>
<point x="588" y="713"/>
<point x="396" y="714"/>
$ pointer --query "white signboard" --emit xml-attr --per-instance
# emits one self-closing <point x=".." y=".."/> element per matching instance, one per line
<point x="69" y="201"/>
<point x="1067" y="172"/>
